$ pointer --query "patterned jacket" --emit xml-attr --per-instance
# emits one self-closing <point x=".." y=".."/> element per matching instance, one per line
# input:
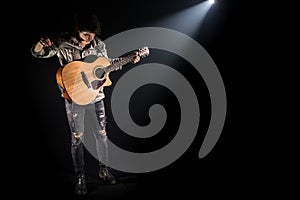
<point x="67" y="49"/>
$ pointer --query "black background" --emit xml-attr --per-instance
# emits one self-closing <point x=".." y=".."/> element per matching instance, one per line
<point x="42" y="164"/>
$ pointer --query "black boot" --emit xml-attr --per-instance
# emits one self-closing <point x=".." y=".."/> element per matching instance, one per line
<point x="80" y="188"/>
<point x="105" y="175"/>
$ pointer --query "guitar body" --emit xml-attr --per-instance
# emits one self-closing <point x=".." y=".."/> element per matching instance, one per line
<point x="82" y="80"/>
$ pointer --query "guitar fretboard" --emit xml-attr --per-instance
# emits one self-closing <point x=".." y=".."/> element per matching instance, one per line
<point x="116" y="65"/>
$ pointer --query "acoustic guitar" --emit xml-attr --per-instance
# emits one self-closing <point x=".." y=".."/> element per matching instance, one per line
<point x="81" y="81"/>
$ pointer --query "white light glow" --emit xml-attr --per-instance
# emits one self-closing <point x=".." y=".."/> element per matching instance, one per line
<point x="211" y="1"/>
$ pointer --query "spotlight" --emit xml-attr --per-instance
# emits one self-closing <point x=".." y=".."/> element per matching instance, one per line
<point x="211" y="1"/>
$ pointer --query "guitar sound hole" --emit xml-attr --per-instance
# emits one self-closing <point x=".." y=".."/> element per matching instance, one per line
<point x="99" y="73"/>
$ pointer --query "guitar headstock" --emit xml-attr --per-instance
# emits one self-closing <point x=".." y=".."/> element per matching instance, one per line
<point x="143" y="52"/>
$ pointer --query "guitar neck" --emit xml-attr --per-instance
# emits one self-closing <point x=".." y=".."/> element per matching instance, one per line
<point x="119" y="63"/>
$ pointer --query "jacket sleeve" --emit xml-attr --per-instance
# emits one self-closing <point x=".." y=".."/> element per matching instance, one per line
<point x="44" y="53"/>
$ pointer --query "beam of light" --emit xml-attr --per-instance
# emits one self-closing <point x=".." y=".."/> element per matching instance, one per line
<point x="211" y="1"/>
<point x="188" y="21"/>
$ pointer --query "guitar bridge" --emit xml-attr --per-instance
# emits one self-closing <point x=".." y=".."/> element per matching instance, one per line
<point x="85" y="80"/>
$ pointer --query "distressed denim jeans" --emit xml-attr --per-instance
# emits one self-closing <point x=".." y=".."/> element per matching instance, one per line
<point x="77" y="115"/>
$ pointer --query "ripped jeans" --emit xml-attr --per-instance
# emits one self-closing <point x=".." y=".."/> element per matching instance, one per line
<point x="76" y="115"/>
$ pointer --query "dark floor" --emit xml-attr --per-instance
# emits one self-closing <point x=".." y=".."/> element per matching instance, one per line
<point x="45" y="182"/>
<point x="126" y="186"/>
<point x="60" y="184"/>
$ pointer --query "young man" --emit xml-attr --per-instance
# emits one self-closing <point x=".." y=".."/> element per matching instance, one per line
<point x="83" y="41"/>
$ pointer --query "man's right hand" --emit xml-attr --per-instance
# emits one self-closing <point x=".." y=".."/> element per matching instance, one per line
<point x="43" y="42"/>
